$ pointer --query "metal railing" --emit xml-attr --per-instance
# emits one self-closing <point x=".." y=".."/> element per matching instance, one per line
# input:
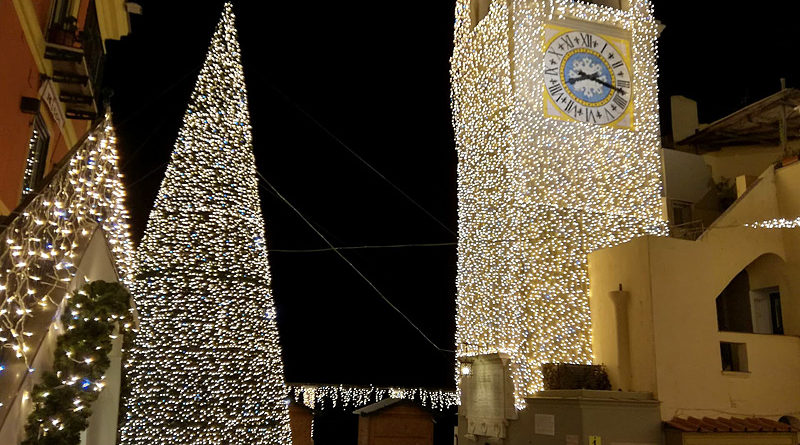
<point x="689" y="231"/>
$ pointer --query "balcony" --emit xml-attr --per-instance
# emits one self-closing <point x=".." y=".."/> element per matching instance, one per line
<point x="688" y="231"/>
<point x="77" y="57"/>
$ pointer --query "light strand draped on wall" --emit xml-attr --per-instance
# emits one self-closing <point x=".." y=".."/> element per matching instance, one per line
<point x="537" y="194"/>
<point x="41" y="246"/>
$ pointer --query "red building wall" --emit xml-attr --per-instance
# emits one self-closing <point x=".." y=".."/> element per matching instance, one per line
<point x="20" y="76"/>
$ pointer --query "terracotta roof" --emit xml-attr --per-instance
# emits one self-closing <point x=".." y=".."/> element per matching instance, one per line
<point x="728" y="424"/>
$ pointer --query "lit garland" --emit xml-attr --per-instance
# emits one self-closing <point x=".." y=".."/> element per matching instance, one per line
<point x="207" y="361"/>
<point x="62" y="401"/>
<point x="42" y="244"/>
<point x="316" y="396"/>
<point x="537" y="194"/>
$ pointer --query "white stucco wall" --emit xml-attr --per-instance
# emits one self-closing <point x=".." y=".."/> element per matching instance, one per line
<point x="687" y="177"/>
<point x="673" y="285"/>
<point x="730" y="162"/>
<point x="683" y="112"/>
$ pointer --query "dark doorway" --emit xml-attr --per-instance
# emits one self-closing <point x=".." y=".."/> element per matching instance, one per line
<point x="733" y="306"/>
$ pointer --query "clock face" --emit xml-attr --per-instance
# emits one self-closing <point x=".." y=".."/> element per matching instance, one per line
<point x="587" y="78"/>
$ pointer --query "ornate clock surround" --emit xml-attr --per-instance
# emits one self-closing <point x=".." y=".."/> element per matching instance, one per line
<point x="587" y="74"/>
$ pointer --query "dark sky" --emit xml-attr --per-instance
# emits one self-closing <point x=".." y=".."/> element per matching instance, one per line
<point x="375" y="74"/>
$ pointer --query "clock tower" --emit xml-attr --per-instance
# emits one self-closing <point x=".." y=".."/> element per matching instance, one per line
<point x="555" y="111"/>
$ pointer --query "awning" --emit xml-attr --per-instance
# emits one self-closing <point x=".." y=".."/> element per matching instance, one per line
<point x="755" y="124"/>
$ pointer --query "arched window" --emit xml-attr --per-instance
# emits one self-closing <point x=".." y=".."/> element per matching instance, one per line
<point x="733" y="305"/>
<point x="751" y="302"/>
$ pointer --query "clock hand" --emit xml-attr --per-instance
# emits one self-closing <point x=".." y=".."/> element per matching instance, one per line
<point x="583" y="76"/>
<point x="576" y="79"/>
<point x="606" y="84"/>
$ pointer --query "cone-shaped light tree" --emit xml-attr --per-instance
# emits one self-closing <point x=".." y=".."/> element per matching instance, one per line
<point x="207" y="365"/>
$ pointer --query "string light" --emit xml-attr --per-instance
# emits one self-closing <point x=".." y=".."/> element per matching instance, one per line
<point x="537" y="194"/>
<point x="207" y="363"/>
<point x="40" y="246"/>
<point x="32" y="162"/>
<point x="777" y="223"/>
<point x="316" y="396"/>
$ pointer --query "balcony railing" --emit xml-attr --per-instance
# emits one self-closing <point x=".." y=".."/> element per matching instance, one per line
<point x="77" y="58"/>
<point x="691" y="230"/>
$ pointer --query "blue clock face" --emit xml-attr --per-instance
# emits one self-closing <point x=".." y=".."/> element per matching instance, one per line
<point x="587" y="78"/>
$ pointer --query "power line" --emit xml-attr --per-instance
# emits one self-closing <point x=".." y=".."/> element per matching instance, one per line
<point x="356" y="155"/>
<point x="155" y="99"/>
<point x="352" y="266"/>
<point x="145" y="142"/>
<point x="386" y="246"/>
<point x="142" y="178"/>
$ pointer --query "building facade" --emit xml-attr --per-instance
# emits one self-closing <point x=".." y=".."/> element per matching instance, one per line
<point x="699" y="332"/>
<point x="52" y="68"/>
<point x="562" y="253"/>
<point x="62" y="213"/>
<point x="711" y="325"/>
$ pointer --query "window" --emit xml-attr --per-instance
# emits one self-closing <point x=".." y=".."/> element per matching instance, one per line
<point x="767" y="316"/>
<point x="37" y="155"/>
<point x="777" y="315"/>
<point x="60" y="10"/>
<point x="681" y="212"/>
<point x="478" y="10"/>
<point x="733" y="306"/>
<point x="734" y="356"/>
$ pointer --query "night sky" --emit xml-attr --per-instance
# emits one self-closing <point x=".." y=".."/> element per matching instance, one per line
<point x="374" y="76"/>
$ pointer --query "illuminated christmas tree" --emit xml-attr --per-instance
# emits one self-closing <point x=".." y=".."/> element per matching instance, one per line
<point x="207" y="365"/>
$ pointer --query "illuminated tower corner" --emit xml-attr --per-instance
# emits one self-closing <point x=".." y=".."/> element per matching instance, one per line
<point x="555" y="111"/>
<point x="207" y="364"/>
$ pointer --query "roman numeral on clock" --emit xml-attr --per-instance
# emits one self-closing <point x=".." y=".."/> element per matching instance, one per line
<point x="555" y="53"/>
<point x="586" y="39"/>
<point x="620" y="101"/>
<point x="623" y="83"/>
<point x="590" y="116"/>
<point x="616" y="65"/>
<point x="565" y="40"/>
<point x="551" y="71"/>
<point x="554" y="89"/>
<point x="570" y="108"/>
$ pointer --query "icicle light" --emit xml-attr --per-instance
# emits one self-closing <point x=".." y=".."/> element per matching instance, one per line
<point x="41" y="245"/>
<point x="317" y="396"/>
